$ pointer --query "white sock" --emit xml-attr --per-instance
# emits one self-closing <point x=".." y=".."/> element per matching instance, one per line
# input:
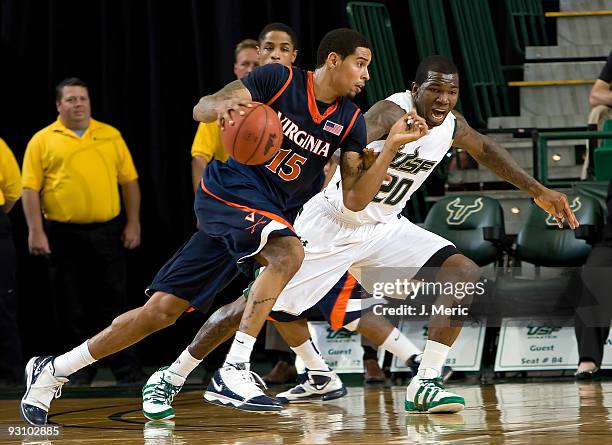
<point x="400" y="345"/>
<point x="184" y="364"/>
<point x="434" y="357"/>
<point x="241" y="349"/>
<point x="310" y="356"/>
<point x="72" y="361"/>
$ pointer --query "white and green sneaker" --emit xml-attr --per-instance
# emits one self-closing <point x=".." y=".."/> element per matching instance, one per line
<point x="429" y="396"/>
<point x="158" y="394"/>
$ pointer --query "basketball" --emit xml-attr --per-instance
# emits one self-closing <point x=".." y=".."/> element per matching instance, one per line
<point x="255" y="136"/>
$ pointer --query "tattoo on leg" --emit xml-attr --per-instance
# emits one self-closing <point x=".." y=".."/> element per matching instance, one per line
<point x="256" y="302"/>
<point x="252" y="311"/>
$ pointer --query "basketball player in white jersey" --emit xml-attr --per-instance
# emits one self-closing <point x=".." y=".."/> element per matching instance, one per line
<point x="337" y="239"/>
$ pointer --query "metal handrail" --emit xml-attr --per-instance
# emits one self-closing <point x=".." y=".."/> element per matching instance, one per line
<point x="541" y="154"/>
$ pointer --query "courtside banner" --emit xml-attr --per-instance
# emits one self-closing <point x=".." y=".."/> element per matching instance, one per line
<point x="341" y="349"/>
<point x="536" y="344"/>
<point x="466" y="353"/>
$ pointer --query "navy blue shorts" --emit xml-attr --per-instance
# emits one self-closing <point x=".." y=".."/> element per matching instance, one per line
<point x="340" y="306"/>
<point x="229" y="236"/>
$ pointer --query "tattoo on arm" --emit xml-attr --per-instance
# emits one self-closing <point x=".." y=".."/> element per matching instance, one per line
<point x="351" y="167"/>
<point x="492" y="155"/>
<point x="380" y="118"/>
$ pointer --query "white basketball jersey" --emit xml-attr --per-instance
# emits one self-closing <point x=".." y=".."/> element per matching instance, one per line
<point x="411" y="166"/>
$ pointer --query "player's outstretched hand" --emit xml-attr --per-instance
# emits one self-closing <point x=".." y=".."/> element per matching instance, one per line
<point x="408" y="128"/>
<point x="556" y="204"/>
<point x="226" y="107"/>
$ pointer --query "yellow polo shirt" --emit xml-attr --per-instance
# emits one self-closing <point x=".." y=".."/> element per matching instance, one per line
<point x="10" y="178"/>
<point x="207" y="143"/>
<point x="76" y="176"/>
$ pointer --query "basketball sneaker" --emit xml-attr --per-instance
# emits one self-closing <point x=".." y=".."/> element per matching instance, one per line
<point x="158" y="394"/>
<point x="41" y="387"/>
<point x="415" y="360"/>
<point x="429" y="396"/>
<point x="318" y="385"/>
<point x="236" y="386"/>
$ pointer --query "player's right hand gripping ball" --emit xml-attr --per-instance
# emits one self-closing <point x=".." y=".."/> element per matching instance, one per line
<point x="256" y="135"/>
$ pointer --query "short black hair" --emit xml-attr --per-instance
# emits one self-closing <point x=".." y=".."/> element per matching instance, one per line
<point x="342" y="41"/>
<point x="277" y="26"/>
<point x="69" y="82"/>
<point x="437" y="64"/>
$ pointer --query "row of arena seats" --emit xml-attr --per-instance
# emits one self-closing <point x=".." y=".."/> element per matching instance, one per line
<point x="475" y="224"/>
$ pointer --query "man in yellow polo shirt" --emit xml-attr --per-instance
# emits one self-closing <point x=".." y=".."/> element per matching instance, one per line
<point x="10" y="343"/>
<point x="71" y="172"/>
<point x="207" y="142"/>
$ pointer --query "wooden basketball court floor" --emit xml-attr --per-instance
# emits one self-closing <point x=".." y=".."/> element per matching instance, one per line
<point x="557" y="413"/>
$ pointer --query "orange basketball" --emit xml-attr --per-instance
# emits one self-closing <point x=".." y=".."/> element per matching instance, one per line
<point x="255" y="136"/>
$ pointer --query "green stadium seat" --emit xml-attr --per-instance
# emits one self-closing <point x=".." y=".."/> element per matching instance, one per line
<point x="475" y="224"/>
<point x="540" y="242"/>
<point x="607" y="126"/>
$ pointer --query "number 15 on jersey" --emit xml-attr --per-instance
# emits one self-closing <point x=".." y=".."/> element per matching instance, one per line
<point x="288" y="170"/>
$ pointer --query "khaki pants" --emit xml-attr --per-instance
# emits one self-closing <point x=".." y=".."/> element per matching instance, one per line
<point x="599" y="114"/>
